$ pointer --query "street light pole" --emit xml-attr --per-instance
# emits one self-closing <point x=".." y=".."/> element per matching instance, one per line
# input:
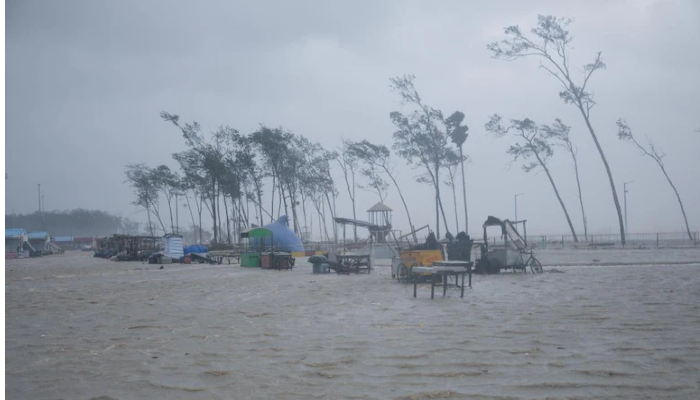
<point x="516" y="205"/>
<point x="625" y="194"/>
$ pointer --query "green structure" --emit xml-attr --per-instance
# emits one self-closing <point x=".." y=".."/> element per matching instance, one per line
<point x="251" y="256"/>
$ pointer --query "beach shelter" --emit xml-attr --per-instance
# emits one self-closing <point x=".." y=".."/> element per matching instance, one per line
<point x="257" y="241"/>
<point x="39" y="240"/>
<point x="173" y="246"/>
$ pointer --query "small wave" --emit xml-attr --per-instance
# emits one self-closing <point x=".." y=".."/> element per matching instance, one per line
<point x="406" y="357"/>
<point x="216" y="373"/>
<point x="148" y="327"/>
<point x="602" y="373"/>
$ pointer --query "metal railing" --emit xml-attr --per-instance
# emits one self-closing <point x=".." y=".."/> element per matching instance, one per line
<point x="645" y="240"/>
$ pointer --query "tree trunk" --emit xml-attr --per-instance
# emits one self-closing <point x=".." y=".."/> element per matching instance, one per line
<point x="580" y="196"/>
<point x="199" y="212"/>
<point x="213" y="217"/>
<point x="437" y="214"/>
<point x="218" y="211"/>
<point x="263" y="210"/>
<point x="454" y="201"/>
<point x="408" y="214"/>
<point x="272" y="206"/>
<point x="678" y="196"/>
<point x="228" y="223"/>
<point x="322" y="214"/>
<point x="464" y="193"/>
<point x="351" y="193"/>
<point x="320" y="235"/>
<point x="283" y="200"/>
<point x="191" y="215"/>
<point x="170" y="209"/>
<point x="213" y="210"/>
<point x="292" y="200"/>
<point x="319" y="205"/>
<point x="354" y="213"/>
<point x="303" y="208"/>
<point x="160" y="221"/>
<point x="561" y="202"/>
<point x="607" y="169"/>
<point x="333" y="225"/>
<point x="150" y="226"/>
<point x="245" y="211"/>
<point x="259" y="193"/>
<point x="439" y="199"/>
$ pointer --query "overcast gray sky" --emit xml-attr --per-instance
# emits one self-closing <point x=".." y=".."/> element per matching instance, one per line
<point x="86" y="80"/>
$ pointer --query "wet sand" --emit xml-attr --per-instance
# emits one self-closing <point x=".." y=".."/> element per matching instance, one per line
<point x="79" y="328"/>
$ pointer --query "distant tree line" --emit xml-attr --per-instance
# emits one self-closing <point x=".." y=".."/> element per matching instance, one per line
<point x="78" y="222"/>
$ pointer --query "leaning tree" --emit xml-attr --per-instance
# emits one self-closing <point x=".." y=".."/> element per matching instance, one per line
<point x="656" y="154"/>
<point x="531" y="144"/>
<point x="422" y="139"/>
<point x="560" y="133"/>
<point x="550" y="42"/>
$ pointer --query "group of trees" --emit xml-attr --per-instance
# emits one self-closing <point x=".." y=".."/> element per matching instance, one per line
<point x="235" y="169"/>
<point x="549" y="41"/>
<point x="78" y="222"/>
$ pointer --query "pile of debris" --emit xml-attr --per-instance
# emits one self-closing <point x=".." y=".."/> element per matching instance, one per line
<point x="128" y="247"/>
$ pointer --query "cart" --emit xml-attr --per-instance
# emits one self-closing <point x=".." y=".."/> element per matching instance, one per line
<point x="513" y="254"/>
<point x="402" y="266"/>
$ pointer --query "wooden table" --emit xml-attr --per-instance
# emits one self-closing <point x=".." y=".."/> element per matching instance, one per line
<point x="218" y="256"/>
<point x="442" y="270"/>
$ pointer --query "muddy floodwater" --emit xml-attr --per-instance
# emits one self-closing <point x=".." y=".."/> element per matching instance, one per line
<point x="79" y="328"/>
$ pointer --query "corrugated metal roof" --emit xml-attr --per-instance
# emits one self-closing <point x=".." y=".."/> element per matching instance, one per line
<point x="62" y="239"/>
<point x="380" y="207"/>
<point x="39" y="235"/>
<point x="14" y="233"/>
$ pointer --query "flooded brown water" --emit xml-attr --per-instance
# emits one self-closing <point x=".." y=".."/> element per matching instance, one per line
<point x="79" y="328"/>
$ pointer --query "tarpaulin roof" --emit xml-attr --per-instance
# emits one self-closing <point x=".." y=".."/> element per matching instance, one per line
<point x="256" y="233"/>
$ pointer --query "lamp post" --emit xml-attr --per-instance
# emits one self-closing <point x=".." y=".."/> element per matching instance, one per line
<point x="625" y="195"/>
<point x="516" y="205"/>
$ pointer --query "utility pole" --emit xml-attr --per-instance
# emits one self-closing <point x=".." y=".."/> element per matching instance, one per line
<point x="39" y="186"/>
<point x="625" y="195"/>
<point x="516" y="205"/>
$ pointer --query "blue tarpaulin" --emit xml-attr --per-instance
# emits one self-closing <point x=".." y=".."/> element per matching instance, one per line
<point x="195" y="248"/>
<point x="284" y="238"/>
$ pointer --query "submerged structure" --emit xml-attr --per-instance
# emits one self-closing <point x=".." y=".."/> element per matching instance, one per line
<point x="39" y="240"/>
<point x="16" y="243"/>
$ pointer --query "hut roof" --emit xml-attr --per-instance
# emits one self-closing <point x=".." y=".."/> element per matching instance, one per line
<point x="379" y="207"/>
<point x="14" y="233"/>
<point x="39" y="235"/>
